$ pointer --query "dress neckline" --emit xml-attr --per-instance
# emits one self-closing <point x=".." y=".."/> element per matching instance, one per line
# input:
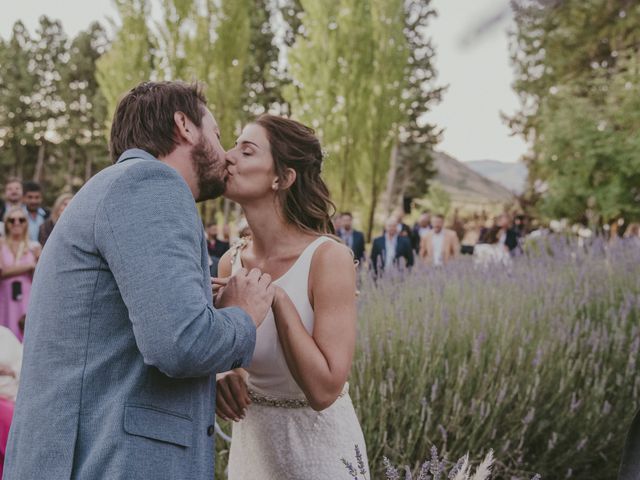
<point x="293" y="266"/>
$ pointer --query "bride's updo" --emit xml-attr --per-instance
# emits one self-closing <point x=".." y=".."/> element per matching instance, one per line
<point x="306" y="203"/>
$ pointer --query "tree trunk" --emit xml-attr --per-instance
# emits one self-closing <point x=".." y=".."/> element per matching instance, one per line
<point x="391" y="178"/>
<point x="37" y="173"/>
<point x="71" y="164"/>
<point x="17" y="166"/>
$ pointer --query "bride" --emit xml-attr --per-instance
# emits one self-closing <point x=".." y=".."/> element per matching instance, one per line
<point x="293" y="415"/>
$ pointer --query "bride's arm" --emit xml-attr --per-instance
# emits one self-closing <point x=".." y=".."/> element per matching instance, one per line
<point x="232" y="396"/>
<point x="320" y="363"/>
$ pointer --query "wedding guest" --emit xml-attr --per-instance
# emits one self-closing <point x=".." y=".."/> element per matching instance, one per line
<point x="391" y="249"/>
<point x="337" y="222"/>
<point x="633" y="231"/>
<point x="470" y="238"/>
<point x="36" y="215"/>
<point x="492" y="252"/>
<point x="18" y="257"/>
<point x="420" y="229"/>
<point x="10" y="364"/>
<point x="507" y="236"/>
<point x="58" y="207"/>
<point x="12" y="196"/>
<point x="404" y="230"/>
<point x="216" y="247"/>
<point x="439" y="245"/>
<point x="226" y="233"/>
<point x="354" y="239"/>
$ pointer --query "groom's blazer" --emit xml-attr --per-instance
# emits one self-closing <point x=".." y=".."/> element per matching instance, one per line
<point x="122" y="341"/>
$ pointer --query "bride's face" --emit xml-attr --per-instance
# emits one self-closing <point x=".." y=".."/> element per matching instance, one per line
<point x="250" y="167"/>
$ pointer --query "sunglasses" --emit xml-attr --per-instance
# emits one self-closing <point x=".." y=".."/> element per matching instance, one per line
<point x="14" y="220"/>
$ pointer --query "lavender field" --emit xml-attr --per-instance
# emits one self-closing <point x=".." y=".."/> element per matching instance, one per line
<point x="537" y="361"/>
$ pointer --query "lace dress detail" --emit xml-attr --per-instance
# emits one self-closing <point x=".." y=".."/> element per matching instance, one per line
<point x="281" y="437"/>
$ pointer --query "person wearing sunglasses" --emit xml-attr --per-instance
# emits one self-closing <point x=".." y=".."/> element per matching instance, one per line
<point x="18" y="257"/>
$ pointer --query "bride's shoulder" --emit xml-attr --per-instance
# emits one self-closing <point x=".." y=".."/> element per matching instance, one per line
<point x="334" y="254"/>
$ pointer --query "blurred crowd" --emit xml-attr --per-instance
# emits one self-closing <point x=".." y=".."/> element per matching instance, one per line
<point x="432" y="241"/>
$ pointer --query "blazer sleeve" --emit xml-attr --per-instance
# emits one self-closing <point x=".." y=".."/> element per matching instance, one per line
<point x="148" y="231"/>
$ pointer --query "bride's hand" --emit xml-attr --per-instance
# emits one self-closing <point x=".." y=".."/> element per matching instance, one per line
<point x="232" y="395"/>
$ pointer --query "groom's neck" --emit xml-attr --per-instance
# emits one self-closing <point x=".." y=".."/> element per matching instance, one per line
<point x="180" y="161"/>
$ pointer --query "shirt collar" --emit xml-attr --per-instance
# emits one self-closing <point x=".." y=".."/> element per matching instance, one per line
<point x="41" y="212"/>
<point x="135" y="153"/>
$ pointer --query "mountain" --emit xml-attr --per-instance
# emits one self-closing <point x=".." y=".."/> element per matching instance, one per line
<point x="465" y="185"/>
<point x="510" y="175"/>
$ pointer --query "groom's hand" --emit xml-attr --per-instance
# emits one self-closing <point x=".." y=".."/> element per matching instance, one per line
<point x="252" y="291"/>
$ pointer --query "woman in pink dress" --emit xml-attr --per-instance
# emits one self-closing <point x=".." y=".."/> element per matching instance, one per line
<point x="10" y="365"/>
<point x="18" y="260"/>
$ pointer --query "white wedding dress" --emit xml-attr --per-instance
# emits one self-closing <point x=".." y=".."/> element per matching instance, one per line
<point x="281" y="437"/>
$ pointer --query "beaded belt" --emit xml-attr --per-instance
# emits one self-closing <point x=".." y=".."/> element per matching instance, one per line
<point x="269" y="401"/>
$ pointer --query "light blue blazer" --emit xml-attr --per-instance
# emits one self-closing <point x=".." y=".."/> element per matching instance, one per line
<point x="122" y="341"/>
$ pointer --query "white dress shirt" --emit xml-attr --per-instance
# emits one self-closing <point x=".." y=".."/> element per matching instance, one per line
<point x="438" y="247"/>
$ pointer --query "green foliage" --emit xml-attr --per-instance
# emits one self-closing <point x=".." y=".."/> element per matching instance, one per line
<point x="16" y="89"/>
<point x="51" y="110"/>
<point x="230" y="58"/>
<point x="588" y="154"/>
<point x="347" y="66"/>
<point x="130" y="59"/>
<point x="577" y="77"/>
<point x="360" y="72"/>
<point x="414" y="167"/>
<point x="439" y="200"/>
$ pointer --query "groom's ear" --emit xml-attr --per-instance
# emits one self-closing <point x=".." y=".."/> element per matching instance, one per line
<point x="187" y="131"/>
<point x="287" y="181"/>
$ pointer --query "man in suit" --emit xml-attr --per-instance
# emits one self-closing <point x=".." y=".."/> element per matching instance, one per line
<point x="123" y="341"/>
<point x="439" y="245"/>
<point x="354" y="239"/>
<point x="391" y="249"/>
<point x="507" y="235"/>
<point x="420" y="229"/>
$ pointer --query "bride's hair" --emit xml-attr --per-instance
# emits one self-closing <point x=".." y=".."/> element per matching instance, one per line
<point x="306" y="203"/>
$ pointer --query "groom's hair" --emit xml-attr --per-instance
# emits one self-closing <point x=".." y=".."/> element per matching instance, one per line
<point x="144" y="117"/>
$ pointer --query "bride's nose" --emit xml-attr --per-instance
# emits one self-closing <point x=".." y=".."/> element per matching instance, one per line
<point x="230" y="157"/>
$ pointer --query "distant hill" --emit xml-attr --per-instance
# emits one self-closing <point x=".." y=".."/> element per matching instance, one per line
<point x="465" y="185"/>
<point x="510" y="175"/>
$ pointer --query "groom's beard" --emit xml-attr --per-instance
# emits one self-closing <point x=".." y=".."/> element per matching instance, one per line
<point x="209" y="169"/>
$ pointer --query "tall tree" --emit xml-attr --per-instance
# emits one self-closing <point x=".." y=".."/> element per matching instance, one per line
<point x="83" y="132"/>
<point x="130" y="60"/>
<point x="47" y="106"/>
<point x="17" y="86"/>
<point x="347" y="65"/>
<point x="387" y="110"/>
<point x="230" y="59"/>
<point x="413" y="168"/>
<point x="570" y="58"/>
<point x="263" y="77"/>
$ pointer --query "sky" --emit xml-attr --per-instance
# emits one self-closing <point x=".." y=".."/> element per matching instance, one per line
<point x="476" y="68"/>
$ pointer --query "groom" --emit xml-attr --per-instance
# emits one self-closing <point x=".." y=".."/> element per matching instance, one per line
<point x="122" y="340"/>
